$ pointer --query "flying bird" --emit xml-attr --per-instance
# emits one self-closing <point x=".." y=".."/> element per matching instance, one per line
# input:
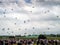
<point x="24" y="21"/>
<point x="3" y="29"/>
<point x="19" y="29"/>
<point x="33" y="27"/>
<point x="8" y="28"/>
<point x="4" y="16"/>
<point x="28" y="20"/>
<point x="33" y="7"/>
<point x="48" y="28"/>
<point x="15" y="23"/>
<point x="57" y="16"/>
<point x="3" y="12"/>
<point x="0" y="2"/>
<point x="12" y="9"/>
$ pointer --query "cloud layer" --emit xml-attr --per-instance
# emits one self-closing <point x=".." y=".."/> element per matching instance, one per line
<point x="24" y="17"/>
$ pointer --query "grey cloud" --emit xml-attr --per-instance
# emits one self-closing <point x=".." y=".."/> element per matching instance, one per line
<point x="38" y="2"/>
<point x="47" y="2"/>
<point x="46" y="18"/>
<point x="44" y="21"/>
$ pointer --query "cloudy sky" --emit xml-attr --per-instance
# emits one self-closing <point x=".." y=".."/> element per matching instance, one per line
<point x="24" y="17"/>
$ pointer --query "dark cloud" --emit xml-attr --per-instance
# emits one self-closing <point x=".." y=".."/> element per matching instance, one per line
<point x="28" y="1"/>
<point x="47" y="2"/>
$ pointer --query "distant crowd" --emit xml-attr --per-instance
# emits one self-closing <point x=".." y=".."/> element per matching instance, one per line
<point x="29" y="42"/>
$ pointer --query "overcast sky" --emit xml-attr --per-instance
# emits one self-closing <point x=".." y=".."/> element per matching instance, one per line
<point x="24" y="17"/>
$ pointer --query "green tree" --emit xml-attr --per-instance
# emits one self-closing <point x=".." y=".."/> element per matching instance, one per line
<point x="42" y="36"/>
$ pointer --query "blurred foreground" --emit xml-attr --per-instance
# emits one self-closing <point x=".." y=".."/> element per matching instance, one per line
<point x="29" y="40"/>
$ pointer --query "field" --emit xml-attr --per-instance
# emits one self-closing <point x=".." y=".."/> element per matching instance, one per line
<point x="30" y="37"/>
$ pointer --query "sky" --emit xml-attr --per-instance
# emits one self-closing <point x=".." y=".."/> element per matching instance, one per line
<point x="28" y="17"/>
